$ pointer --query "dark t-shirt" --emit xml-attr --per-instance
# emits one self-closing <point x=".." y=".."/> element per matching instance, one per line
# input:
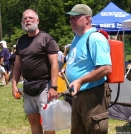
<point x="5" y="54"/>
<point x="12" y="59"/>
<point x="33" y="52"/>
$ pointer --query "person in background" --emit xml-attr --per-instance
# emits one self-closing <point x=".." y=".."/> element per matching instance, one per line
<point x="66" y="49"/>
<point x="12" y="62"/>
<point x="60" y="58"/>
<point x="10" y="52"/>
<point x="4" y="59"/>
<point x="60" y="55"/>
<point x="86" y="71"/>
<point x="4" y="73"/>
<point x="37" y="60"/>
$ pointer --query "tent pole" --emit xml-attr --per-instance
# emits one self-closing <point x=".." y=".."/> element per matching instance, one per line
<point x="124" y="48"/>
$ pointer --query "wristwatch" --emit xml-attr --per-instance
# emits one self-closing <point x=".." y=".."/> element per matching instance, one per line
<point x="54" y="87"/>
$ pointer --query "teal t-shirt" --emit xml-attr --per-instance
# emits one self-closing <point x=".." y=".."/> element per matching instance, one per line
<point x="81" y="61"/>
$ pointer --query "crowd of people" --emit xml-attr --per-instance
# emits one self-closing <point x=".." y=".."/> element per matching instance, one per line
<point x="7" y="60"/>
<point x="4" y="62"/>
<point x="36" y="59"/>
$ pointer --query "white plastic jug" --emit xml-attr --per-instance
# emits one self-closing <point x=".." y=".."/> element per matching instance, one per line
<point x="56" y="115"/>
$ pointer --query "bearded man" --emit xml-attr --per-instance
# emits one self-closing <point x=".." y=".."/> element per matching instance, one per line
<point x="37" y="61"/>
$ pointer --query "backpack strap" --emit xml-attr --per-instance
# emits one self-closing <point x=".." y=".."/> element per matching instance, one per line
<point x="105" y="34"/>
<point x="87" y="42"/>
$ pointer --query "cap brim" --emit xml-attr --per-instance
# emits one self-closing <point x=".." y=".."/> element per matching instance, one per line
<point x="73" y="13"/>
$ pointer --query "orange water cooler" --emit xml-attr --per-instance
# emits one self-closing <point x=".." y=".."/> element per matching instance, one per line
<point x="117" y="58"/>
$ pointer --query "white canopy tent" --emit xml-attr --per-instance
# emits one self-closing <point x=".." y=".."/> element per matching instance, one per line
<point x="127" y="24"/>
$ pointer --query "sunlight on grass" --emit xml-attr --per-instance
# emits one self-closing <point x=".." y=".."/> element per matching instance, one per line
<point x="13" y="119"/>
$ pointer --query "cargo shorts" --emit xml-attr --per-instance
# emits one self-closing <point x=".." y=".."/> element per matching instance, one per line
<point x="89" y="111"/>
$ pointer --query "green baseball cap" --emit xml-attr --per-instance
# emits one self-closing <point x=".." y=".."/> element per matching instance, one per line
<point x="80" y="9"/>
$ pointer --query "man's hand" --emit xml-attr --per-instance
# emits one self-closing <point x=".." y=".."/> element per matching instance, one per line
<point x="74" y="87"/>
<point x="61" y="73"/>
<point x="16" y="93"/>
<point x="52" y="94"/>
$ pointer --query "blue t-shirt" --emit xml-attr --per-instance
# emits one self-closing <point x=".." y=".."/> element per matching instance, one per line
<point x="81" y="61"/>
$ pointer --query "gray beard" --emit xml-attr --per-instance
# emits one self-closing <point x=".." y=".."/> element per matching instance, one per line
<point x="31" y="28"/>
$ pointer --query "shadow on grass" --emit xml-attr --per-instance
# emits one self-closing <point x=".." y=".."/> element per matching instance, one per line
<point x="2" y="85"/>
<point x="126" y="129"/>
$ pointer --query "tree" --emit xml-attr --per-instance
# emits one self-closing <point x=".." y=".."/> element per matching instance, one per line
<point x="11" y="17"/>
<point x="52" y="16"/>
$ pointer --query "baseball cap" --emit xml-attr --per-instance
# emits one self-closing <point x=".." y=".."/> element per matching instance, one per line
<point x="14" y="46"/>
<point x="3" y="43"/>
<point x="80" y="9"/>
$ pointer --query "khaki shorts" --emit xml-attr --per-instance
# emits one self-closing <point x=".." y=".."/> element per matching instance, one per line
<point x="89" y="111"/>
<point x="33" y="104"/>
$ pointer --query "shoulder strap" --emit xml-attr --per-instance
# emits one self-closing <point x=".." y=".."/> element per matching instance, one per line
<point x="104" y="33"/>
<point x="87" y="42"/>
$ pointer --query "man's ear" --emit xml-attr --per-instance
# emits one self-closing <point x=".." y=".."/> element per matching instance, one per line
<point x="38" y="20"/>
<point x="87" y="20"/>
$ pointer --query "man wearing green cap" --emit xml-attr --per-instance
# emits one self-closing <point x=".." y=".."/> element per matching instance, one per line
<point x="87" y="67"/>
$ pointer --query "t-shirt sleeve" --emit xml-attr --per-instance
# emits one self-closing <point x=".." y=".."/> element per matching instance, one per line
<point x="52" y="47"/>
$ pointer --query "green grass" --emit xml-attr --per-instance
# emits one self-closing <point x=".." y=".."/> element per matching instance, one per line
<point x="13" y="119"/>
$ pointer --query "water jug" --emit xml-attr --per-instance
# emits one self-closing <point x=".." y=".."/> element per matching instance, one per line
<point x="56" y="115"/>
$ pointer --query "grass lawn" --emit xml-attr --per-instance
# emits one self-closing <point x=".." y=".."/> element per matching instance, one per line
<point x="13" y="120"/>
